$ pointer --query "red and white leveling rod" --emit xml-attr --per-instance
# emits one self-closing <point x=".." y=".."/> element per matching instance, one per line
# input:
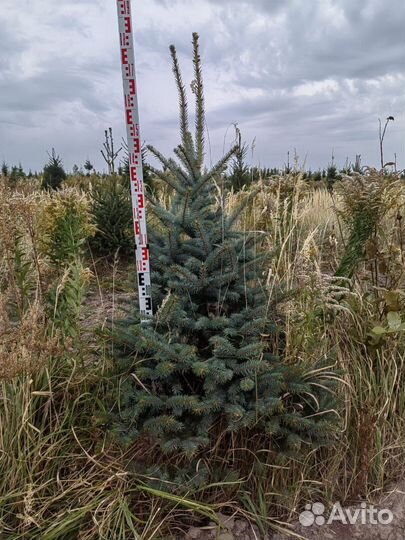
<point x="135" y="157"/>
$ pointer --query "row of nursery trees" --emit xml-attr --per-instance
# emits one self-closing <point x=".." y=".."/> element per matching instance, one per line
<point x="238" y="174"/>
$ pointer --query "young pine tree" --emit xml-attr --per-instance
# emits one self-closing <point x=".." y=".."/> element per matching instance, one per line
<point x="88" y="167"/>
<point x="205" y="359"/>
<point x="240" y="174"/>
<point x="5" y="169"/>
<point x="111" y="208"/>
<point x="54" y="173"/>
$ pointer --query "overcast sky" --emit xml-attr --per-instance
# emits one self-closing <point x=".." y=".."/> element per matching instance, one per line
<point x="313" y="75"/>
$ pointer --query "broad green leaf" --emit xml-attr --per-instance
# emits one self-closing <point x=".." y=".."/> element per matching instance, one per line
<point x="394" y="320"/>
<point x="379" y="330"/>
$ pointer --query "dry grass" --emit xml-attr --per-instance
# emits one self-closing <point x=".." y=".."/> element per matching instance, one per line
<point x="63" y="478"/>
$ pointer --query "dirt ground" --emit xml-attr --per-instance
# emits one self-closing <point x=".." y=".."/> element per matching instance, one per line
<point x="394" y="501"/>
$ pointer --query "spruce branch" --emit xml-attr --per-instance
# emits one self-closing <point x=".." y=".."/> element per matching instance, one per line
<point x="217" y="169"/>
<point x="182" y="95"/>
<point x="166" y="178"/>
<point x="187" y="161"/>
<point x="169" y="164"/>
<point x="185" y="205"/>
<point x="198" y="89"/>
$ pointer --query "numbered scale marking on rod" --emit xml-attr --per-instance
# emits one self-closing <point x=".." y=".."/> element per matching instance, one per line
<point x="135" y="157"/>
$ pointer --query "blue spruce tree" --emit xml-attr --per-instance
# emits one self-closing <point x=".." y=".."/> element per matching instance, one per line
<point x="206" y="359"/>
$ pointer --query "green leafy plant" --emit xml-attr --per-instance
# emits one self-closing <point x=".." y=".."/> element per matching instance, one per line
<point x="67" y="296"/>
<point x="365" y="201"/>
<point x="23" y="272"/>
<point x="393" y="324"/>
<point x="65" y="226"/>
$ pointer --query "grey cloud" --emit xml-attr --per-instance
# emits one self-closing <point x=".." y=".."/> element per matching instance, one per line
<point x="271" y="6"/>
<point x="46" y="90"/>
<point x="12" y="46"/>
<point x="309" y="47"/>
<point x="257" y="54"/>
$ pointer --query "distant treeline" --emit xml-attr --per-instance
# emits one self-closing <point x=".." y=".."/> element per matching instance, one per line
<point x="239" y="175"/>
